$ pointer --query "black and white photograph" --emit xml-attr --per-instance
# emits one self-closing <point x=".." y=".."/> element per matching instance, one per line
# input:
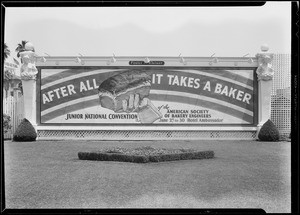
<point x="148" y="107"/>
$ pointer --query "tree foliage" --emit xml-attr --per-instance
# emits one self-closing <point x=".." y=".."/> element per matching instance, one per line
<point x="21" y="47"/>
<point x="6" y="122"/>
<point x="6" y="51"/>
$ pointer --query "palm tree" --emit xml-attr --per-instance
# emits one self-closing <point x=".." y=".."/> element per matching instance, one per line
<point x="21" y="47"/>
<point x="6" y="51"/>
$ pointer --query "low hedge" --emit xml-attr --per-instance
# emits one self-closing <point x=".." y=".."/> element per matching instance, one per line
<point x="98" y="156"/>
<point x="104" y="156"/>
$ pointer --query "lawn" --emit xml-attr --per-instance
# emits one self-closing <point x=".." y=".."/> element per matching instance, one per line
<point x="243" y="174"/>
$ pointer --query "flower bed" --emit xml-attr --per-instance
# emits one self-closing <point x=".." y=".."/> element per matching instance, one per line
<point x="145" y="154"/>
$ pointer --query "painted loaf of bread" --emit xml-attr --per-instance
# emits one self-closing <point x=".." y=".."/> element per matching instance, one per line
<point x="128" y="92"/>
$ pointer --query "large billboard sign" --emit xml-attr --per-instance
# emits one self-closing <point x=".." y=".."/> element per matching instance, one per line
<point x="147" y="95"/>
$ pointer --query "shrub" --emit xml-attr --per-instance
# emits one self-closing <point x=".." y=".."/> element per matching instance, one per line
<point x="100" y="156"/>
<point x="268" y="132"/>
<point x="139" y="159"/>
<point x="154" y="158"/>
<point x="6" y="123"/>
<point x="25" y="132"/>
<point x="104" y="156"/>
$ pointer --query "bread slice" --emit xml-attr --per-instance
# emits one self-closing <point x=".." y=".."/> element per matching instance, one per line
<point x="149" y="113"/>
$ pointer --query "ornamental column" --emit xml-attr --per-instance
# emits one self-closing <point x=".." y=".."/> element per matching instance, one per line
<point x="28" y="77"/>
<point x="265" y="74"/>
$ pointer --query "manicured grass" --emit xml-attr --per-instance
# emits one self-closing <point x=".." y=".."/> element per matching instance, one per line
<point x="145" y="154"/>
<point x="243" y="174"/>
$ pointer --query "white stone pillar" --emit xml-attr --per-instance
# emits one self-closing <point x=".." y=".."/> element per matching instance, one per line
<point x="28" y="77"/>
<point x="265" y="80"/>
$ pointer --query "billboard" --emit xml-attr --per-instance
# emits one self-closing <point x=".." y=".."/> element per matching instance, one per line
<point x="136" y="95"/>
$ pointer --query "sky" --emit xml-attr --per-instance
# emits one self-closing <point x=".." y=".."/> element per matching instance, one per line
<point x="150" y="31"/>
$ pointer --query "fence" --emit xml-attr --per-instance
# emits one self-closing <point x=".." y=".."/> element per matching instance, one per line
<point x="13" y="106"/>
